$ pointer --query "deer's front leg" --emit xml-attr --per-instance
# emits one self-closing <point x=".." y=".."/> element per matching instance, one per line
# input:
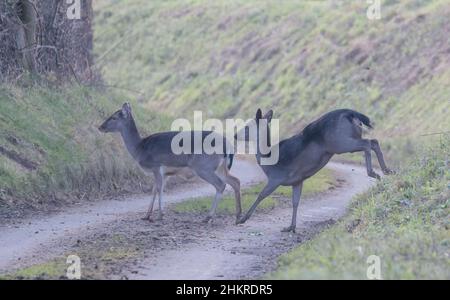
<point x="296" y="193"/>
<point x="148" y="215"/>
<point x="268" y="189"/>
<point x="159" y="175"/>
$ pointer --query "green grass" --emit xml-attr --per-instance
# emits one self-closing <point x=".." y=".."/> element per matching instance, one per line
<point x="56" y="130"/>
<point x="322" y="181"/>
<point x="404" y="220"/>
<point x="301" y="58"/>
<point x="226" y="58"/>
<point x="97" y="261"/>
<point x="52" y="269"/>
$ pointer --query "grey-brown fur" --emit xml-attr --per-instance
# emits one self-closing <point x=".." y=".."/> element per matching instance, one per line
<point x="303" y="155"/>
<point x="154" y="153"/>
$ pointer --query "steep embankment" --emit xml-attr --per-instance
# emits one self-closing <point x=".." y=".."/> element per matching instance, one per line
<point x="301" y="58"/>
<point x="51" y="151"/>
<point x="404" y="221"/>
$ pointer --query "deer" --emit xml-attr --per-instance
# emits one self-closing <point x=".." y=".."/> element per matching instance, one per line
<point x="154" y="154"/>
<point x="304" y="154"/>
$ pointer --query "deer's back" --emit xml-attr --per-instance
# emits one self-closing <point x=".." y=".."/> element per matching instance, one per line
<point x="156" y="149"/>
<point x="302" y="155"/>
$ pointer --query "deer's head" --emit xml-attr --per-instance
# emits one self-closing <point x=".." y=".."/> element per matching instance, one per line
<point x="250" y="131"/>
<point x="118" y="120"/>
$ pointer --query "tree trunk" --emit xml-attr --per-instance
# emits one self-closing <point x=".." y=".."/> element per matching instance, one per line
<point x="38" y="36"/>
<point x="26" y="34"/>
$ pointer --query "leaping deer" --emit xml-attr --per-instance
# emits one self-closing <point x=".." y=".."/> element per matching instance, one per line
<point x="154" y="153"/>
<point x="303" y="155"/>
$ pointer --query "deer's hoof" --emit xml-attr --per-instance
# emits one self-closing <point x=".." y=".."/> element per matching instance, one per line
<point x="288" y="229"/>
<point x="374" y="175"/>
<point x="148" y="219"/>
<point x="207" y="219"/>
<point x="238" y="218"/>
<point x="241" y="220"/>
<point x="388" y="172"/>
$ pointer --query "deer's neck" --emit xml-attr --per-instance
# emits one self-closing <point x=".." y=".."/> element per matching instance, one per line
<point x="131" y="138"/>
<point x="267" y="144"/>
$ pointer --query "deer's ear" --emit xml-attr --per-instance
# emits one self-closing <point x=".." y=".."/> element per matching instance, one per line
<point x="258" y="114"/>
<point x="126" y="109"/>
<point x="268" y="116"/>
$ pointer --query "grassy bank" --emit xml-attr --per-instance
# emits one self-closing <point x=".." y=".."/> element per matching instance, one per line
<point x="51" y="151"/>
<point x="99" y="259"/>
<point x="322" y="181"/>
<point x="301" y="58"/>
<point x="403" y="220"/>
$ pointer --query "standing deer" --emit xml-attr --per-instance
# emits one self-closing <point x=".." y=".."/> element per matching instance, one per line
<point x="303" y="155"/>
<point x="154" y="153"/>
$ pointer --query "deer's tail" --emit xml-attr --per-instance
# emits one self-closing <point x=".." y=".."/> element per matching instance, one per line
<point x="363" y="118"/>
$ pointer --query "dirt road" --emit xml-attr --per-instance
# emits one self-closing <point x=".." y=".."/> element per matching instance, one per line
<point x="221" y="250"/>
<point x="250" y="250"/>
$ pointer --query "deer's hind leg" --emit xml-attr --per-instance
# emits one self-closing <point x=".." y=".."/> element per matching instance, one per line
<point x="377" y="149"/>
<point x="211" y="177"/>
<point x="357" y="145"/>
<point x="235" y="184"/>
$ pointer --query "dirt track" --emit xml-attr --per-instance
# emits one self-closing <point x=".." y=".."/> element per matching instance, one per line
<point x="180" y="246"/>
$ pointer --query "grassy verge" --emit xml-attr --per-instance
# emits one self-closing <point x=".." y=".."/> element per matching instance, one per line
<point x="99" y="259"/>
<point x="51" y="151"/>
<point x="403" y="220"/>
<point x="55" y="269"/>
<point x="322" y="181"/>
